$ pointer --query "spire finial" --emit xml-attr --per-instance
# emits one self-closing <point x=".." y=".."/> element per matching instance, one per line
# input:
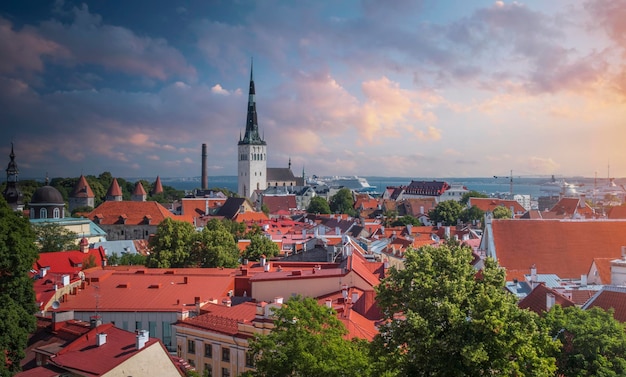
<point x="251" y="68"/>
<point x="289" y="163"/>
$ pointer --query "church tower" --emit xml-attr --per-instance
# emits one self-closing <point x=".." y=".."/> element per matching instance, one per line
<point x="252" y="164"/>
<point x="12" y="193"/>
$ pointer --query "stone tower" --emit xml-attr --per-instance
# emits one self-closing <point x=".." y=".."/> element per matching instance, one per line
<point x="252" y="159"/>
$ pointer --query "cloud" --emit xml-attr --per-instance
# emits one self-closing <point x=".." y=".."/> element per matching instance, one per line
<point x="24" y="50"/>
<point x="542" y="165"/>
<point x="90" y="41"/>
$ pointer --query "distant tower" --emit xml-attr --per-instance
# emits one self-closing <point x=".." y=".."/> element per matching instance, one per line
<point x="205" y="178"/>
<point x="139" y="194"/>
<point x="114" y="194"/>
<point x="158" y="187"/>
<point x="82" y="195"/>
<point x="252" y="165"/>
<point x="12" y="193"/>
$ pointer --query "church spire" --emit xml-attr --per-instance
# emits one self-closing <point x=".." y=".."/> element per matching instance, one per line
<point x="251" y="135"/>
<point x="12" y="193"/>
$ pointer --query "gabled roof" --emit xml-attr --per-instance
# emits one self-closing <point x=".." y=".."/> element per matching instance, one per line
<point x="108" y="213"/>
<point x="232" y="206"/>
<point x="114" y="189"/>
<point x="68" y="262"/>
<point x="489" y="204"/>
<point x="610" y="297"/>
<point x="568" y="207"/>
<point x="280" y="175"/>
<point x="251" y="216"/>
<point x="603" y="267"/>
<point x="277" y="203"/>
<point x="537" y="299"/>
<point x="561" y="247"/>
<point x="434" y="188"/>
<point x="82" y="189"/>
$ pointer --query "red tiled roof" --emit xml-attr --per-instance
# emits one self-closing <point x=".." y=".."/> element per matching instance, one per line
<point x="564" y="248"/>
<point x="158" y="187"/>
<point x="82" y="189"/>
<point x="603" y="265"/>
<point x="139" y="190"/>
<point x="570" y="206"/>
<point x="68" y="262"/>
<point x="489" y="204"/>
<point x="151" y="289"/>
<point x="108" y="213"/>
<point x="617" y="212"/>
<point x="221" y="318"/>
<point x="610" y="297"/>
<point x="251" y="217"/>
<point x="278" y="203"/>
<point x="537" y="299"/>
<point x="114" y="189"/>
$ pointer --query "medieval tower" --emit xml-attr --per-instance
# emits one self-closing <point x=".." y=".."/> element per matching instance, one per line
<point x="252" y="160"/>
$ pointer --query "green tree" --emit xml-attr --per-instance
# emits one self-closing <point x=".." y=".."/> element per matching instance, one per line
<point x="501" y="212"/>
<point x="471" y="194"/>
<point x="318" y="205"/>
<point x="260" y="245"/>
<point x="593" y="342"/>
<point x="472" y="214"/>
<point x="406" y="220"/>
<point x="18" y="253"/>
<point x="55" y="237"/>
<point x="342" y="202"/>
<point x="444" y="320"/>
<point x="308" y="340"/>
<point x="126" y="259"/>
<point x="170" y="246"/>
<point x="215" y="246"/>
<point x="446" y="213"/>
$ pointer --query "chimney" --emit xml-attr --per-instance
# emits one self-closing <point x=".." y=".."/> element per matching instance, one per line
<point x="355" y="297"/>
<point x="226" y="302"/>
<point x="101" y="339"/>
<point x="142" y="338"/>
<point x="84" y="245"/>
<point x="205" y="179"/>
<point x="267" y="267"/>
<point x="262" y="260"/>
<point x="329" y="303"/>
<point x="278" y="300"/>
<point x="95" y="321"/>
<point x="185" y="280"/>
<point x="533" y="276"/>
<point x="583" y="280"/>
<point x="550" y="300"/>
<point x="344" y="291"/>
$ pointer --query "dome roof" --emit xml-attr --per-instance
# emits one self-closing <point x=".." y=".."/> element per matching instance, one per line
<point x="47" y="194"/>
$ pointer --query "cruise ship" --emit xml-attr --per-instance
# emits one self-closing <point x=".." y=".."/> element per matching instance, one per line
<point x="354" y="183"/>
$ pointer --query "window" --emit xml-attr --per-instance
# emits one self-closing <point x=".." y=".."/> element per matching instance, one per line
<point x="225" y="354"/>
<point x="152" y="329"/>
<point x="137" y="325"/>
<point x="191" y="362"/>
<point x="225" y="372"/>
<point x="56" y="213"/>
<point x="191" y="346"/>
<point x="249" y="360"/>
<point x="43" y="213"/>
<point x="208" y="350"/>
<point x="167" y="334"/>
<point x="208" y="370"/>
<point x="125" y="325"/>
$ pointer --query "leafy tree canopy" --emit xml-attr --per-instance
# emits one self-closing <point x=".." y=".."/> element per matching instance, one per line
<point x="444" y="320"/>
<point x="593" y="342"/>
<point x="406" y="220"/>
<point x="55" y="237"/>
<point x="501" y="212"/>
<point x="260" y="245"/>
<point x="308" y="340"/>
<point x="215" y="246"/>
<point x="446" y="212"/>
<point x="18" y="252"/>
<point x="318" y="205"/>
<point x="472" y="214"/>
<point x="170" y="246"/>
<point x="342" y="202"/>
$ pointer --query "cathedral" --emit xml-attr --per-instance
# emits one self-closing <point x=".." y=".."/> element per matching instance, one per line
<point x="252" y="171"/>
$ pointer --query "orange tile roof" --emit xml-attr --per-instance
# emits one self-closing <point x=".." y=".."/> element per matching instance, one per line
<point x="251" y="217"/>
<point x="82" y="189"/>
<point x="278" y="203"/>
<point x="617" y="212"/>
<point x="489" y="204"/>
<point x="568" y="207"/>
<point x="68" y="262"/>
<point x="610" y="297"/>
<point x="139" y="190"/>
<point x="114" y="189"/>
<point x="603" y="265"/>
<point x="109" y="212"/>
<point x="158" y="187"/>
<point x="221" y="318"/>
<point x="536" y="300"/>
<point x="561" y="247"/>
<point x="151" y="289"/>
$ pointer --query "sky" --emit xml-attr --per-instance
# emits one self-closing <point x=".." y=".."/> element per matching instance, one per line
<point x="442" y="88"/>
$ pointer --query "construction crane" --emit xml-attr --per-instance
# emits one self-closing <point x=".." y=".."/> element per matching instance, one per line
<point x="510" y="177"/>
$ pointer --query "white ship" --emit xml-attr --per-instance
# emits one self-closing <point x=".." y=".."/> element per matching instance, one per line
<point x="354" y="183"/>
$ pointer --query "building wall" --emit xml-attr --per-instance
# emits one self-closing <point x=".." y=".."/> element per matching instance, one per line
<point x="251" y="170"/>
<point x="152" y="361"/>
<point x="157" y="323"/>
<point x="117" y="232"/>
<point x="80" y="202"/>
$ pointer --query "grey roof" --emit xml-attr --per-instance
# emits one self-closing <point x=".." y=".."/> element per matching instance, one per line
<point x="280" y="174"/>
<point x="231" y="207"/>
